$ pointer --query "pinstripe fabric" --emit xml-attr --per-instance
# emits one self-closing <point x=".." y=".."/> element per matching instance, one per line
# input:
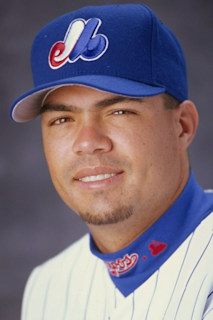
<point x="75" y="285"/>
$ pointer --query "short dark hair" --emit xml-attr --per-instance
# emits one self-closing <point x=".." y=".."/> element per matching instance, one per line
<point x="170" y="102"/>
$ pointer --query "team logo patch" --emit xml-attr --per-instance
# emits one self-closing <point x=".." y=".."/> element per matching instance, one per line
<point x="122" y="265"/>
<point x="125" y="264"/>
<point x="157" y="247"/>
<point x="80" y="42"/>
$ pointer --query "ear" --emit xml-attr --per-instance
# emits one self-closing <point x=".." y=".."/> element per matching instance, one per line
<point x="187" y="117"/>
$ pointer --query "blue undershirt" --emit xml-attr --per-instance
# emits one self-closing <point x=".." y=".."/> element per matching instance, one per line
<point x="133" y="265"/>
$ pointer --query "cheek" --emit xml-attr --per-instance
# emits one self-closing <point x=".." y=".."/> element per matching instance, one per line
<point x="164" y="150"/>
<point x="55" y="152"/>
<point x="56" y="157"/>
<point x="155" y="147"/>
<point x="128" y="144"/>
<point x="132" y="145"/>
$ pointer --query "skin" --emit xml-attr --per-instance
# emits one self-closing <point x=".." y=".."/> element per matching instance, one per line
<point x="87" y="132"/>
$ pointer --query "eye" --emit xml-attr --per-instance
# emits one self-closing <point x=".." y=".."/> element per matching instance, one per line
<point x="123" y="112"/>
<point x="60" y="121"/>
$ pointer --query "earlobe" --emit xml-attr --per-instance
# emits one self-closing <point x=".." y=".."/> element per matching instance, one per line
<point x="188" y="122"/>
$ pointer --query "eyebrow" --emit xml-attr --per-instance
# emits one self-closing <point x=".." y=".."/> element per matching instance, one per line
<point x="115" y="100"/>
<point x="100" y="104"/>
<point x="56" y="107"/>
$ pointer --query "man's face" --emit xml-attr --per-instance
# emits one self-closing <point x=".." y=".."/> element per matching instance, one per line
<point x="110" y="157"/>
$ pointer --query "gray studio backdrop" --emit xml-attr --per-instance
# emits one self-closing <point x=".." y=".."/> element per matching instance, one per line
<point x="35" y="224"/>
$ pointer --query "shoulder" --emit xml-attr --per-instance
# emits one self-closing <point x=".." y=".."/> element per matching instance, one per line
<point x="206" y="225"/>
<point x="77" y="248"/>
<point x="202" y="237"/>
<point x="197" y="251"/>
<point x="69" y="261"/>
<point x="59" y="280"/>
<point x="77" y="251"/>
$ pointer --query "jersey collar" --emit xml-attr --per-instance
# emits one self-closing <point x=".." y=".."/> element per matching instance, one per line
<point x="133" y="265"/>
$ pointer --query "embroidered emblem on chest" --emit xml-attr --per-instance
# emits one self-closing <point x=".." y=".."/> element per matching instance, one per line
<point x="122" y="265"/>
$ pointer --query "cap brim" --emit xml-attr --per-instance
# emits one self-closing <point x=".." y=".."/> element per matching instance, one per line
<point x="27" y="106"/>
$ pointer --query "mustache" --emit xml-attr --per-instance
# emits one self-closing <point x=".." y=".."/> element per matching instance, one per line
<point x="99" y="161"/>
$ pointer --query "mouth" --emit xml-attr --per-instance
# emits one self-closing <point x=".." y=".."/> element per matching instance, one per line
<point x="99" y="177"/>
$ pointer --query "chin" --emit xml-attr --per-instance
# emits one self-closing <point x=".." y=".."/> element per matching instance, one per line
<point x="106" y="217"/>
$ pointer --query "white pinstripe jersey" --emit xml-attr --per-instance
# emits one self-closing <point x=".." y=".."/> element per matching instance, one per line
<point x="76" y="285"/>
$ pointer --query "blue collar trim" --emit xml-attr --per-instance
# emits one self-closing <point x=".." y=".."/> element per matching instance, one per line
<point x="133" y="265"/>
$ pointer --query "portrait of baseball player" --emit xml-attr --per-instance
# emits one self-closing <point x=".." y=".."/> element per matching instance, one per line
<point x="110" y="88"/>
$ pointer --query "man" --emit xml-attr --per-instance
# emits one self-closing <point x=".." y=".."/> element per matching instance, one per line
<point x="110" y="86"/>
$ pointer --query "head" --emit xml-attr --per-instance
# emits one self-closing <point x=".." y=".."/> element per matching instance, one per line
<point x="113" y="157"/>
<point x="115" y="117"/>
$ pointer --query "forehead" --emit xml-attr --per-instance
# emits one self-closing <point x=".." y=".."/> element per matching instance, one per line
<point x="81" y="96"/>
<point x="76" y="98"/>
<point x="75" y="92"/>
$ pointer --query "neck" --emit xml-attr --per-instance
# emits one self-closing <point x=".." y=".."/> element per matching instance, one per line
<point x="113" y="237"/>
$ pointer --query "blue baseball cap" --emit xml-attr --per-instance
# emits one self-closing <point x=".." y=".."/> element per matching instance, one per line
<point x="122" y="49"/>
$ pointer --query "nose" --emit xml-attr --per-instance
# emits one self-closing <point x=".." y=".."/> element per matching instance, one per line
<point x="91" y="139"/>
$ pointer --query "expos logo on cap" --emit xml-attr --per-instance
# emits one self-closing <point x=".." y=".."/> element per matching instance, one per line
<point x="80" y="42"/>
